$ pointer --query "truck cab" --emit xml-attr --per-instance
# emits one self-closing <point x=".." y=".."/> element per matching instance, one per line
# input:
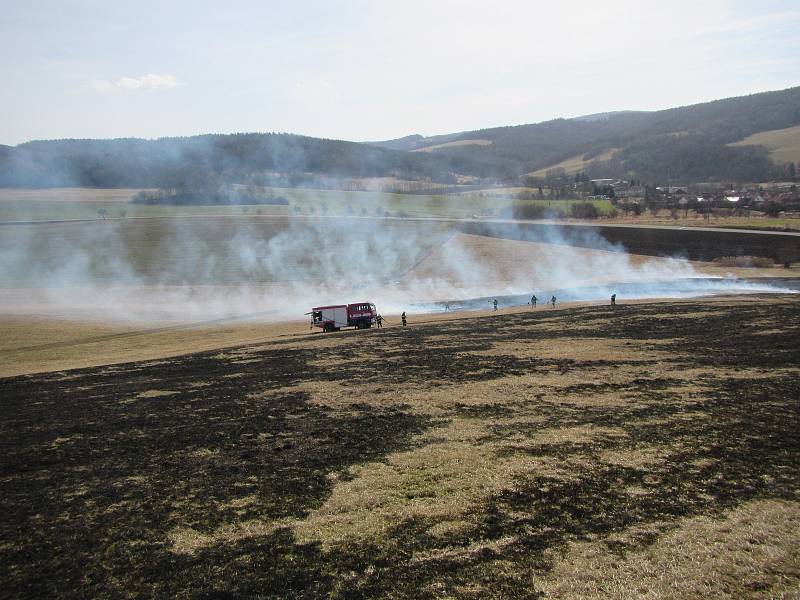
<point x="361" y="315"/>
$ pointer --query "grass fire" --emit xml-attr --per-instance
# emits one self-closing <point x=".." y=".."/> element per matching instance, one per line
<point x="371" y="300"/>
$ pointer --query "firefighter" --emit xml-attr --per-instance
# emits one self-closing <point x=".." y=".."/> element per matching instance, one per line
<point x="403" y="318"/>
<point x="534" y="299"/>
<point x="495" y="303"/>
<point x="613" y="299"/>
<point x="379" y="321"/>
<point x="553" y="301"/>
<point x="446" y="307"/>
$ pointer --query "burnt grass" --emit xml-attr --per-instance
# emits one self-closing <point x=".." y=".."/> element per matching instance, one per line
<point x="93" y="475"/>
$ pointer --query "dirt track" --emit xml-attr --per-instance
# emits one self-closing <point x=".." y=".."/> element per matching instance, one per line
<point x="460" y="457"/>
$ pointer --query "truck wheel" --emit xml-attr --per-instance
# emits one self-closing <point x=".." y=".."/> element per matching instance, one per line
<point x="326" y="328"/>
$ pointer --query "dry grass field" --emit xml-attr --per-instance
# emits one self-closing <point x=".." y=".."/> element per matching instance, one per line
<point x="575" y="164"/>
<point x="645" y="451"/>
<point x="455" y="144"/>
<point x="34" y="344"/>
<point x="783" y="144"/>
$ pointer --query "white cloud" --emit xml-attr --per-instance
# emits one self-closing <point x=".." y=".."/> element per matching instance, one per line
<point x="150" y="81"/>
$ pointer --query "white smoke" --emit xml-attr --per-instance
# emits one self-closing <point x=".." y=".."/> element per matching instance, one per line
<point x="184" y="269"/>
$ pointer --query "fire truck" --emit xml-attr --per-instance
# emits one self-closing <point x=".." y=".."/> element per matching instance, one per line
<point x="360" y="315"/>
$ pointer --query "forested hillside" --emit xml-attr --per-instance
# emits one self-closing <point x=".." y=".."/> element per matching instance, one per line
<point x="172" y="162"/>
<point x="688" y="143"/>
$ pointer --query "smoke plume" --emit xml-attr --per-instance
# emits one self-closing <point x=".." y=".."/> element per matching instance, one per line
<point x="272" y="268"/>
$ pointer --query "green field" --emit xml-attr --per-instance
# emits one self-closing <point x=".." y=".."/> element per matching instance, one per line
<point x="68" y="204"/>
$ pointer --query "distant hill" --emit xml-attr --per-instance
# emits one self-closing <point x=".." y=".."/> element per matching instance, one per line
<point x="688" y="143"/>
<point x="714" y="140"/>
<point x="277" y="159"/>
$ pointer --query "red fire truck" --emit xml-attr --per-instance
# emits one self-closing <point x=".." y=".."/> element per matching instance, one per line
<point x="360" y="315"/>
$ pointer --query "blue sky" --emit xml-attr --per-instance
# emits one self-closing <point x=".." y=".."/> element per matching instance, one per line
<point x="373" y="70"/>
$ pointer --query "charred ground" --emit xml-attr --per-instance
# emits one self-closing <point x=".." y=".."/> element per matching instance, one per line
<point x="499" y="442"/>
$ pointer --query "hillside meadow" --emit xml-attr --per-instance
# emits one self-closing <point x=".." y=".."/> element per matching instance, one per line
<point x="783" y="144"/>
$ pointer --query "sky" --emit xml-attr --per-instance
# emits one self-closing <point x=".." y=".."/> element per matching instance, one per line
<point x="373" y="70"/>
